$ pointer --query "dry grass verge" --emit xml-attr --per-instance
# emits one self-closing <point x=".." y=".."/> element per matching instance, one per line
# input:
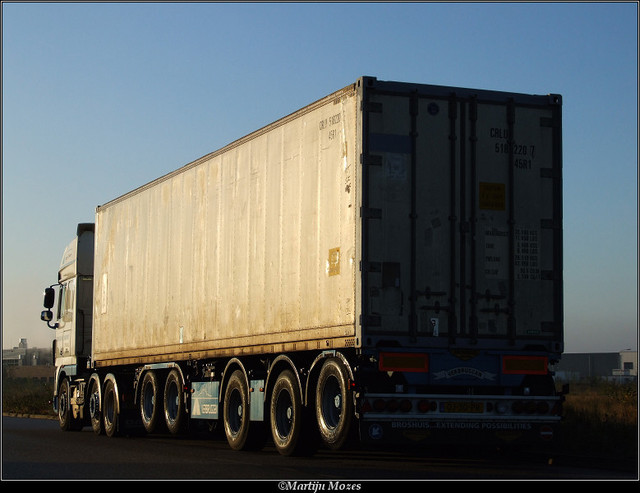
<point x="601" y="420"/>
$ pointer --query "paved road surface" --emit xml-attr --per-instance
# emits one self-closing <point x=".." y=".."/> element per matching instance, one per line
<point x="37" y="449"/>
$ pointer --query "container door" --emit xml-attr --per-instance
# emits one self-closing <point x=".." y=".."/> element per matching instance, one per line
<point x="461" y="220"/>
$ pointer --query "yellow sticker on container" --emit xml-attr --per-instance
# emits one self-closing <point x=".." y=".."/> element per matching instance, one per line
<point x="334" y="261"/>
<point x="492" y="196"/>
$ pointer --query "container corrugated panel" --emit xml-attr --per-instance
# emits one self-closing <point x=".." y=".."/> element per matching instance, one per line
<point x="251" y="249"/>
<point x="463" y="191"/>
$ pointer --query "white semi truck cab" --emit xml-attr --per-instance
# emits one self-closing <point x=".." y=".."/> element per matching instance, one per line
<point x="71" y="317"/>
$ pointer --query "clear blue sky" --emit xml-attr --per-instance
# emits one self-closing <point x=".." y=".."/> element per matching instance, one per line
<point x="98" y="99"/>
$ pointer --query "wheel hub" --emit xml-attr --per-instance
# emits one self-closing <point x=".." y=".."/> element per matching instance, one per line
<point x="337" y="401"/>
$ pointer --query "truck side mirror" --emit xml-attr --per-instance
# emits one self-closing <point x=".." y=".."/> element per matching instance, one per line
<point x="49" y="297"/>
<point x="47" y="316"/>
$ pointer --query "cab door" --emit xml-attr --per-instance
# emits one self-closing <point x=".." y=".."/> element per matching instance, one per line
<point x="66" y="315"/>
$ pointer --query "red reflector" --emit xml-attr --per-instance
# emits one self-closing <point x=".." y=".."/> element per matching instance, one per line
<point x="366" y="407"/>
<point x="542" y="407"/>
<point x="379" y="405"/>
<point x="412" y="362"/>
<point x="405" y="406"/>
<point x="546" y="433"/>
<point x="524" y="365"/>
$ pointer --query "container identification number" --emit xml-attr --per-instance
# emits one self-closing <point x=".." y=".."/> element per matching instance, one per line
<point x="523" y="154"/>
<point x="326" y="123"/>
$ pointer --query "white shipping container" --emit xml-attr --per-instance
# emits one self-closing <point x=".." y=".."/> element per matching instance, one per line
<point x="385" y="213"/>
<point x="250" y="248"/>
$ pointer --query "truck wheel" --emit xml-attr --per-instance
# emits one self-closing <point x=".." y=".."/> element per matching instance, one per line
<point x="236" y="411"/>
<point x="174" y="414"/>
<point x="151" y="402"/>
<point x="334" y="405"/>
<point x="65" y="417"/>
<point x="286" y="413"/>
<point x="94" y="408"/>
<point x="110" y="409"/>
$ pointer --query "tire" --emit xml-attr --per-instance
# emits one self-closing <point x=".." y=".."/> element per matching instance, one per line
<point x="334" y="404"/>
<point x="236" y="411"/>
<point x="286" y="414"/>
<point x="110" y="409"/>
<point x="174" y="412"/>
<point x="65" y="416"/>
<point x="151" y="402"/>
<point x="94" y="408"/>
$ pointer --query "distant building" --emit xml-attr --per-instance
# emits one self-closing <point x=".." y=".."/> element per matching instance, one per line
<point x="628" y="363"/>
<point x="618" y="367"/>
<point x="22" y="355"/>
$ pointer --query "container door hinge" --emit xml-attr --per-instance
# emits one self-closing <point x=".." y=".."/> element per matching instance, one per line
<point x="550" y="224"/>
<point x="366" y="266"/>
<point x="372" y="107"/>
<point x="370" y="213"/>
<point x="370" y="320"/>
<point x="370" y="160"/>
